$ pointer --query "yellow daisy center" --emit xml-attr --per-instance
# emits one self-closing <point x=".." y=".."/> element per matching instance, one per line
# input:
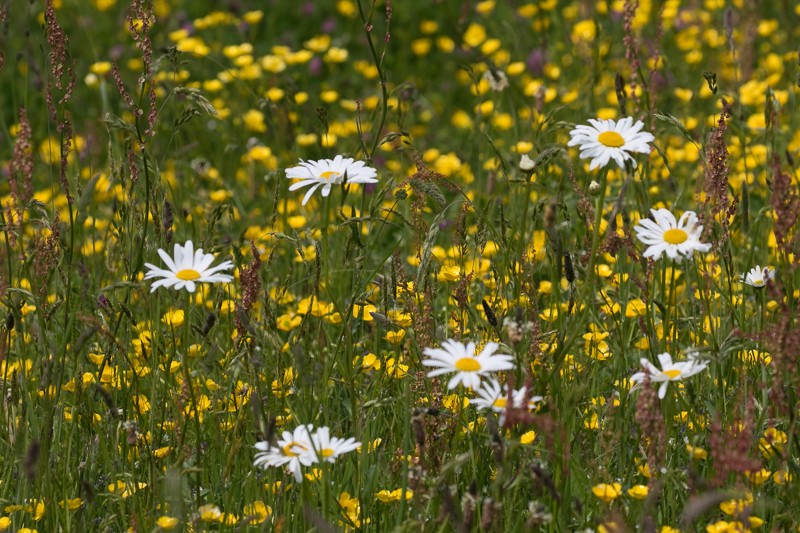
<point x="468" y="364"/>
<point x="188" y="274"/>
<point x="326" y="452"/>
<point x="675" y="236"/>
<point x="330" y="174"/>
<point x="612" y="139"/>
<point x="288" y="450"/>
<point x="673" y="373"/>
<point x="500" y="403"/>
<point x="758" y="282"/>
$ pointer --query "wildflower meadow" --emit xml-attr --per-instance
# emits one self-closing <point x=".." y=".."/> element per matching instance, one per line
<point x="371" y="265"/>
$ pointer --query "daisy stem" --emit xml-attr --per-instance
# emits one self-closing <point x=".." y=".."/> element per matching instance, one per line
<point x="665" y="307"/>
<point x="326" y="208"/>
<point x="326" y="487"/>
<point x="192" y="397"/>
<point x="598" y="217"/>
<point x="523" y="237"/>
<point x="361" y="214"/>
<point x="668" y="410"/>
<point x="670" y="301"/>
<point x="305" y="498"/>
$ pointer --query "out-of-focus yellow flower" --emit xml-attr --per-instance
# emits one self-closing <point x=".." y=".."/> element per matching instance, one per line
<point x="253" y="17"/>
<point x="772" y="442"/>
<point x="455" y="402"/>
<point x="474" y="35"/>
<point x="635" y="308"/>
<point x="449" y="273"/>
<point x="737" y="506"/>
<point x="370" y="362"/>
<point x="759" y="476"/>
<point x="607" y="492"/>
<point x="395" y="337"/>
<point x="347" y="8"/>
<point x="71" y="504"/>
<point x="257" y="512"/>
<point x="173" y="318"/>
<point x="394" y="496"/>
<point x="253" y="120"/>
<point x="696" y="453"/>
<point x="167" y="522"/>
<point x="364" y="312"/>
<point x="638" y="492"/>
<point x="421" y="47"/>
<point x="125" y="489"/>
<point x="584" y="31"/>
<point x="396" y="368"/>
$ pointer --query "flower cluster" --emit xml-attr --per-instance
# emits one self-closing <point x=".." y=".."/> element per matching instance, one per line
<point x="493" y="396"/>
<point x="327" y="172"/>
<point x="303" y="447"/>
<point x="669" y="371"/>
<point x="758" y="276"/>
<point x="469" y="368"/>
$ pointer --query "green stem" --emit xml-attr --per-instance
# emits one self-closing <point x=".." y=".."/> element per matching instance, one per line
<point x="143" y="142"/>
<point x="381" y="76"/>
<point x="8" y="246"/>
<point x="598" y="218"/>
<point x="192" y="396"/>
<point x="523" y="234"/>
<point x="670" y="302"/>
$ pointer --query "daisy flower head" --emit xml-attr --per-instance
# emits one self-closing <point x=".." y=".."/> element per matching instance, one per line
<point x="669" y="371"/>
<point x="294" y="450"/>
<point x="677" y="238"/>
<point x="327" y="172"/>
<point x="329" y="448"/>
<point x="758" y="276"/>
<point x="492" y="396"/>
<point x="497" y="79"/>
<point x="604" y="140"/>
<point x="457" y="357"/>
<point x="186" y="269"/>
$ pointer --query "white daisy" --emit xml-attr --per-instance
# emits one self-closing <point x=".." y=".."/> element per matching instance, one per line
<point x="186" y="269"/>
<point x="492" y="396"/>
<point x="455" y="357"/>
<point x="669" y="371"/>
<point x="526" y="163"/>
<point x="497" y="79"/>
<point x="758" y="276"/>
<point x="677" y="238"/>
<point x="329" y="448"/>
<point x="294" y="450"/>
<point x="326" y="172"/>
<point x="606" y="139"/>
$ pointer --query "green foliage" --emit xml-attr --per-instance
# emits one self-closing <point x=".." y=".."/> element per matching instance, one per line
<point x="126" y="409"/>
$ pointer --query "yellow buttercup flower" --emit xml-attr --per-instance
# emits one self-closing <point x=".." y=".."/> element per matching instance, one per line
<point x="607" y="492"/>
